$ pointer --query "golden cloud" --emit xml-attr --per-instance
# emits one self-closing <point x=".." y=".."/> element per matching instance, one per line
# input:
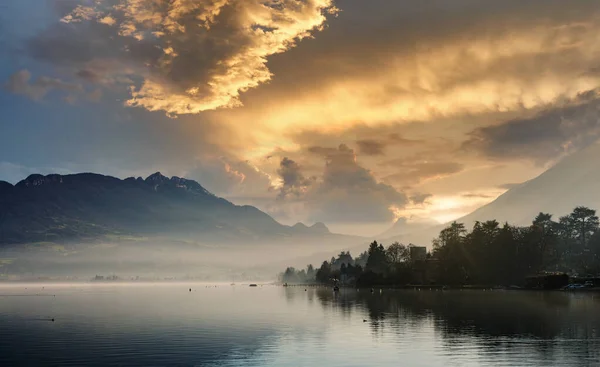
<point x="209" y="51"/>
<point x="505" y="72"/>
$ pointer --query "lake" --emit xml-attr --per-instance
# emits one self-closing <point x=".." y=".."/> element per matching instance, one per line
<point x="224" y="325"/>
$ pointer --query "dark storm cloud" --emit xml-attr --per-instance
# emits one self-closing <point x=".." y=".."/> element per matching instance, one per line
<point x="543" y="137"/>
<point x="294" y="182"/>
<point x="349" y="192"/>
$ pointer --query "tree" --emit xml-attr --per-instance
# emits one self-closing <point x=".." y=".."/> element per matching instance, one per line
<point x="585" y="223"/>
<point x="377" y="261"/>
<point x="324" y="272"/>
<point x="361" y="260"/>
<point x="490" y="254"/>
<point x="577" y="228"/>
<point x="397" y="253"/>
<point x="454" y="233"/>
<point x="310" y="273"/>
<point x="343" y="258"/>
<point x="543" y="237"/>
<point x="449" y="248"/>
<point x="290" y="276"/>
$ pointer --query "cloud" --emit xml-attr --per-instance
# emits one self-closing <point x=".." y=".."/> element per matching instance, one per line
<point x="508" y="186"/>
<point x="231" y="177"/>
<point x="377" y="147"/>
<point x="396" y="138"/>
<point x="88" y="75"/>
<point x="21" y="83"/>
<point x="412" y="62"/>
<point x="95" y="95"/>
<point x="477" y="196"/>
<point x="294" y="183"/>
<point x="349" y="192"/>
<point x="187" y="56"/>
<point x="419" y="198"/>
<point x="371" y="147"/>
<point x="545" y="137"/>
<point x="415" y="170"/>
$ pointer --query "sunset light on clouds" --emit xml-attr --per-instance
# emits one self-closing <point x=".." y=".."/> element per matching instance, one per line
<point x="354" y="113"/>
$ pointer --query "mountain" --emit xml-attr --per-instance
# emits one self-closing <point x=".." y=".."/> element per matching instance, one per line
<point x="317" y="228"/>
<point x="88" y="207"/>
<point x="573" y="181"/>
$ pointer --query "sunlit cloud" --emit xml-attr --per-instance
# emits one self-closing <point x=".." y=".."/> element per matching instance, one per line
<point x="199" y="55"/>
<point x="444" y="209"/>
<point x="514" y="70"/>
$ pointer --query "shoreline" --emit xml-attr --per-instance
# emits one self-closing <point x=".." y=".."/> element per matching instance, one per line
<point x="419" y="287"/>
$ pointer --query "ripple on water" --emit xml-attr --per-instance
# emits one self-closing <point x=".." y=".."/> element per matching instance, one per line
<point x="231" y="326"/>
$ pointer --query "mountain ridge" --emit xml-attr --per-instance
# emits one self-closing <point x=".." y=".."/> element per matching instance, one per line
<point x="89" y="206"/>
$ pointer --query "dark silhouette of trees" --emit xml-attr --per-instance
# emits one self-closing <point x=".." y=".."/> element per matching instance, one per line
<point x="361" y="260"/>
<point x="324" y="272"/>
<point x="291" y="275"/>
<point x="397" y="253"/>
<point x="490" y="254"/>
<point x="580" y="226"/>
<point x="377" y="261"/>
<point x="344" y="258"/>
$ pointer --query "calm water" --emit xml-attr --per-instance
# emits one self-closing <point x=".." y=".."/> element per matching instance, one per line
<point x="166" y="325"/>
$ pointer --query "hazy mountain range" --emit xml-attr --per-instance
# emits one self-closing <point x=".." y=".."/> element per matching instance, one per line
<point x="88" y="207"/>
<point x="88" y="223"/>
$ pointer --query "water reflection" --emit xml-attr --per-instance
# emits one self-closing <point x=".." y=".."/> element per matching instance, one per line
<point x="551" y="324"/>
<point x="275" y="326"/>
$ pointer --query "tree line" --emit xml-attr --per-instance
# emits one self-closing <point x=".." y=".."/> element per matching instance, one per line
<point x="490" y="254"/>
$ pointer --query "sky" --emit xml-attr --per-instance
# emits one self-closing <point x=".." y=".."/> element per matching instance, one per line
<point x="353" y="113"/>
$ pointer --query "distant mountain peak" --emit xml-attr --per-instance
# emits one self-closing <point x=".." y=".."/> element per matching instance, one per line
<point x="39" y="180"/>
<point x="317" y="228"/>
<point x="157" y="178"/>
<point x="320" y="227"/>
<point x="190" y="185"/>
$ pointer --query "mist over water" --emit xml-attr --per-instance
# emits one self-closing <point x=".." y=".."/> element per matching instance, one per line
<point x="224" y="325"/>
<point x="159" y="259"/>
